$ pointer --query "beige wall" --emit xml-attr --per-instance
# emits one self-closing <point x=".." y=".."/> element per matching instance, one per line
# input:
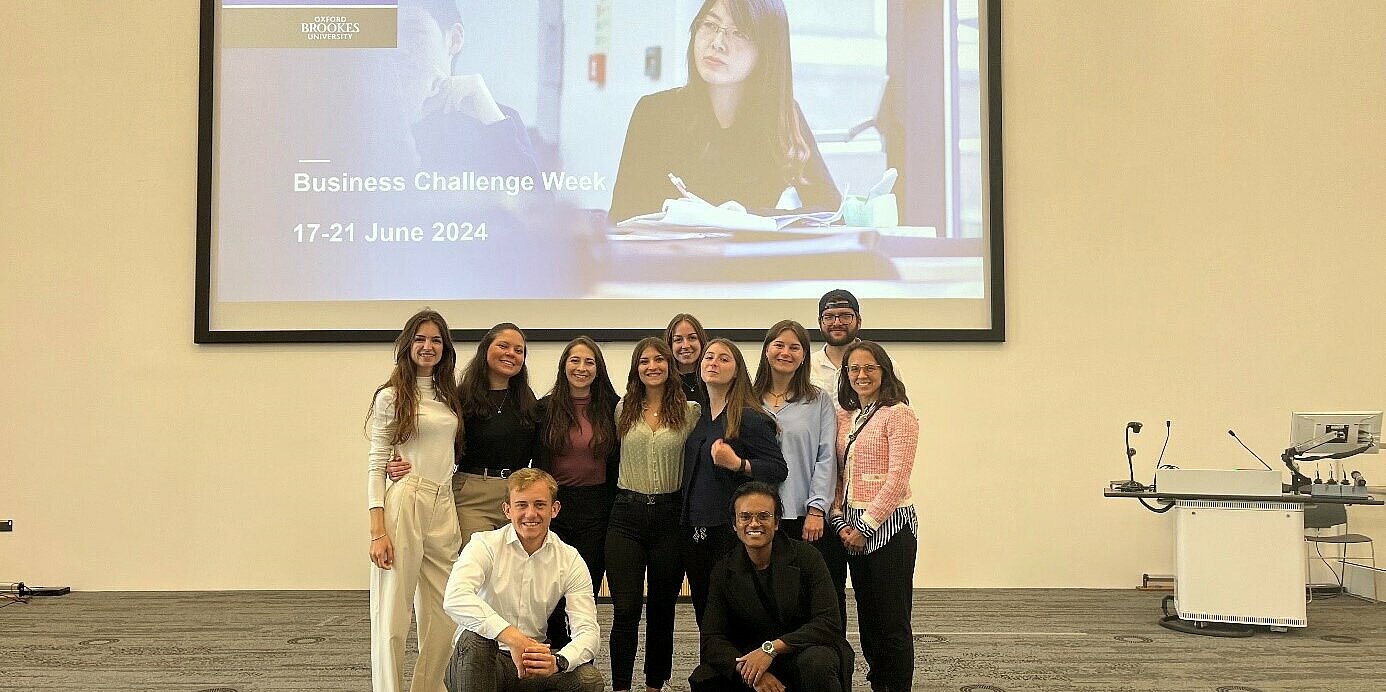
<point x="1194" y="217"/>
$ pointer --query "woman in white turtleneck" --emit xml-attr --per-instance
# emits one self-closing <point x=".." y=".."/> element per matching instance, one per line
<point x="414" y="536"/>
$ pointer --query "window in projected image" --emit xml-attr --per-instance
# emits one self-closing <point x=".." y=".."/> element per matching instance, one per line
<point x="593" y="167"/>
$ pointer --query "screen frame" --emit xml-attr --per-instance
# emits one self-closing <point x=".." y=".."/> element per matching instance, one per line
<point x="1303" y="424"/>
<point x="203" y="333"/>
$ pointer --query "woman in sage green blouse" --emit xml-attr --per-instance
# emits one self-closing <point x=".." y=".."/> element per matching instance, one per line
<point x="653" y="421"/>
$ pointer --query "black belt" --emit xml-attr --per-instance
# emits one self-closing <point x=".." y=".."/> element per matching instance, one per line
<point x="645" y="499"/>
<point x="488" y="472"/>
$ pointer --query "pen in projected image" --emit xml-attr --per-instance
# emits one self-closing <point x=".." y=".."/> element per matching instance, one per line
<point x="678" y="184"/>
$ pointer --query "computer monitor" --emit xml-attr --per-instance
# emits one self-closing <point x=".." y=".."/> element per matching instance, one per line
<point x="1336" y="432"/>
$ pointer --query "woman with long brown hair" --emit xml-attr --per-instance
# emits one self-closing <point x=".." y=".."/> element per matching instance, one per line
<point x="734" y="442"/>
<point x="643" y="542"/>
<point x="414" y="538"/>
<point x="500" y="423"/>
<point x="686" y="338"/>
<point x="807" y="421"/>
<point x="579" y="448"/>
<point x="734" y="130"/>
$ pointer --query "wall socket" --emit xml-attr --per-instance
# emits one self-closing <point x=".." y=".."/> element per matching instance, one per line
<point x="6" y="524"/>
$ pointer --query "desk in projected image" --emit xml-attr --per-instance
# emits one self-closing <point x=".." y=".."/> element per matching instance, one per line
<point x="904" y="261"/>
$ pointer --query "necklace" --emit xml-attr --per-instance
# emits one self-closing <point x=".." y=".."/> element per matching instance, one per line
<point x="504" y="399"/>
<point x="777" y="399"/>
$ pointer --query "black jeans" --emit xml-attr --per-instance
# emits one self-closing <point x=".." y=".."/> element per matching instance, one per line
<point x="883" y="583"/>
<point x="830" y="547"/>
<point x="582" y="520"/>
<point x="700" y="553"/>
<point x="643" y="538"/>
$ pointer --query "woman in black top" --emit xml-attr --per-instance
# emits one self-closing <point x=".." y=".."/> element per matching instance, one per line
<point x="686" y="338"/>
<point x="500" y="419"/>
<point x="578" y="446"/>
<point x="734" y="130"/>
<point x="733" y="442"/>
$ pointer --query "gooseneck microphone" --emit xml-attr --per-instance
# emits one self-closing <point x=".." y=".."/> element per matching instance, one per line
<point x="1164" y="446"/>
<point x="1243" y="444"/>
<point x="1131" y="486"/>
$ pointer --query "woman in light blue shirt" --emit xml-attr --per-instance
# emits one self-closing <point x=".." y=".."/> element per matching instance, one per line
<point x="808" y="433"/>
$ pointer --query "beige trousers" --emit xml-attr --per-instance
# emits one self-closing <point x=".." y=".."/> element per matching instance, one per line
<point x="422" y="525"/>
<point x="479" y="501"/>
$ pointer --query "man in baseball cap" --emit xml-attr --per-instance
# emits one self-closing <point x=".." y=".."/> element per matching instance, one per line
<point x="839" y="319"/>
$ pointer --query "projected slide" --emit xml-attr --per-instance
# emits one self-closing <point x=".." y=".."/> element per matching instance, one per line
<point x="595" y="166"/>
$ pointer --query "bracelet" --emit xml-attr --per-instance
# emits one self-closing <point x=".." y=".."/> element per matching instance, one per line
<point x="378" y="537"/>
<point x="745" y="466"/>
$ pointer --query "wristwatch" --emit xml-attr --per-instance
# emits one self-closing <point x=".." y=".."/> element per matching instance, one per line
<point x="562" y="662"/>
<point x="769" y="648"/>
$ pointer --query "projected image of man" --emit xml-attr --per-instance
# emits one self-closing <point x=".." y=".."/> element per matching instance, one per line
<point x="457" y="123"/>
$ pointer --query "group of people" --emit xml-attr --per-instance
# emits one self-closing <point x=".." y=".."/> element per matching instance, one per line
<point x="764" y="491"/>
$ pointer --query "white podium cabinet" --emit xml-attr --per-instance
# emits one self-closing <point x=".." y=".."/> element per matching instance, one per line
<point x="1240" y="562"/>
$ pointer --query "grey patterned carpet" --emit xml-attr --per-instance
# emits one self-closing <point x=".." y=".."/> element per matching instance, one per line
<point x="971" y="640"/>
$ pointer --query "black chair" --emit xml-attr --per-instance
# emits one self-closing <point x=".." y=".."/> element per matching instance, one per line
<point x="1328" y="523"/>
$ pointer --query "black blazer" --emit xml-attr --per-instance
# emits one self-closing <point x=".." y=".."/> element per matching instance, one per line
<point x="736" y="621"/>
<point x="543" y="457"/>
<point x="707" y="488"/>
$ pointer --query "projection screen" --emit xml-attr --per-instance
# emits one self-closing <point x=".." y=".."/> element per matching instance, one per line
<point x="596" y="166"/>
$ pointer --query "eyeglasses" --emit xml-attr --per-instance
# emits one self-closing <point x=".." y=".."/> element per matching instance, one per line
<point x="746" y="517"/>
<point x="838" y="317"/>
<point x="708" y="29"/>
<point x="858" y="369"/>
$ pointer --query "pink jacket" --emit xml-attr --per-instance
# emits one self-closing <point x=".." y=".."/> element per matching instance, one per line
<point x="882" y="459"/>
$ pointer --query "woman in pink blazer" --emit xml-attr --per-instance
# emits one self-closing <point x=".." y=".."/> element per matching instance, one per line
<point x="873" y="511"/>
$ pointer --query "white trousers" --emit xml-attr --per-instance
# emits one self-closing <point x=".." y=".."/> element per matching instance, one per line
<point x="422" y="523"/>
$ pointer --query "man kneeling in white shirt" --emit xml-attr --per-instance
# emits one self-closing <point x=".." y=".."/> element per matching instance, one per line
<point x="503" y="588"/>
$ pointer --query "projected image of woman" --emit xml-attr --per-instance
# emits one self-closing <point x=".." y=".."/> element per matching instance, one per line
<point x="578" y="446"/>
<point x="686" y="338"/>
<point x="733" y="442"/>
<point x="734" y="130"/>
<point x="644" y="540"/>
<point x="414" y="537"/>
<point x="873" y="512"/>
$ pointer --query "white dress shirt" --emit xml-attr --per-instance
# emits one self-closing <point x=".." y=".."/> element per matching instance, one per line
<point x="496" y="584"/>
<point x="824" y="373"/>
